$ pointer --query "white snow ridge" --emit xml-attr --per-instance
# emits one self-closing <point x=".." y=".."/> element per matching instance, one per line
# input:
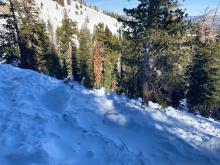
<point x="45" y="122"/>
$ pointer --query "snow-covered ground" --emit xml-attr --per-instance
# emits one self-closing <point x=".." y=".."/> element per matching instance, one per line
<point x="52" y="11"/>
<point x="45" y="122"/>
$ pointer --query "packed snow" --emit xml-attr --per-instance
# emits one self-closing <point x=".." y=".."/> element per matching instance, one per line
<point x="45" y="122"/>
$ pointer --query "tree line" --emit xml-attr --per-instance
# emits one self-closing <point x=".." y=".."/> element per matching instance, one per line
<point x="157" y="55"/>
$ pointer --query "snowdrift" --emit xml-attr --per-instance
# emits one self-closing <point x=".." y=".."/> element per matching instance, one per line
<point x="45" y="122"/>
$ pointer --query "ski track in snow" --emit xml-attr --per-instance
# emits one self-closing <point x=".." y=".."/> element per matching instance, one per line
<point x="44" y="122"/>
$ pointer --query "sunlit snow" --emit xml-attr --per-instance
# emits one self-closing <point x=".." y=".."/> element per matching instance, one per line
<point x="45" y="122"/>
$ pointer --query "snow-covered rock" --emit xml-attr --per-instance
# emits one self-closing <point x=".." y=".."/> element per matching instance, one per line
<point x="45" y="122"/>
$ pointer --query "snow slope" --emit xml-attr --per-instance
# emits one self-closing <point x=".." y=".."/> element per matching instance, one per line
<point x="45" y="122"/>
<point x="49" y="12"/>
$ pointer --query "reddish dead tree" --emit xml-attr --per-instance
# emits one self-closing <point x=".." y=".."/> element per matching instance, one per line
<point x="114" y="86"/>
<point x="97" y="66"/>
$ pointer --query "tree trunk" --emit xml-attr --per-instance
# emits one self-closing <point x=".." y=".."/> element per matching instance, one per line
<point x="146" y="73"/>
<point x="70" y="61"/>
<point x="16" y="32"/>
<point x="97" y="66"/>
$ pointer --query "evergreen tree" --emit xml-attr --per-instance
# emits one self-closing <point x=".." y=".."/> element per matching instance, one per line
<point x="169" y="68"/>
<point x="69" y="2"/>
<point x="84" y="57"/>
<point x="204" y="72"/>
<point x="31" y="32"/>
<point x="49" y="62"/>
<point x="204" y="81"/>
<point x="143" y="23"/>
<point x="31" y="41"/>
<point x="60" y="2"/>
<point x="110" y="73"/>
<point x="109" y="52"/>
<point x="130" y="79"/>
<point x="112" y="55"/>
<point x="65" y="36"/>
<point x="9" y="47"/>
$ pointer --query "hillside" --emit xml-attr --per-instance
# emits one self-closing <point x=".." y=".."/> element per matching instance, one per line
<point x="45" y="122"/>
<point x="51" y="10"/>
<point x="197" y="18"/>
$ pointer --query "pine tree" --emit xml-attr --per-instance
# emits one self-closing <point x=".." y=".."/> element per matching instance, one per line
<point x="143" y="23"/>
<point x="30" y="25"/>
<point x="169" y="68"/>
<point x="51" y="64"/>
<point x="110" y="72"/>
<point x="9" y="35"/>
<point x="69" y="2"/>
<point x="30" y="41"/>
<point x="204" y="72"/>
<point x="130" y="79"/>
<point x="74" y="61"/>
<point x="48" y="61"/>
<point x="204" y="81"/>
<point x="37" y="52"/>
<point x="60" y="2"/>
<point x="109" y="52"/>
<point x="65" y="36"/>
<point x="85" y="58"/>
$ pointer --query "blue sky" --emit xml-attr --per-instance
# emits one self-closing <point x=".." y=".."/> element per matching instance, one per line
<point x="193" y="7"/>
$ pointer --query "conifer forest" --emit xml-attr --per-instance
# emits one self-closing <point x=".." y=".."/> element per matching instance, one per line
<point x="109" y="82"/>
<point x="157" y="54"/>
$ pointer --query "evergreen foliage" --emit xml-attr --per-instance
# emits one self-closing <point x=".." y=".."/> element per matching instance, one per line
<point x="109" y="52"/>
<point x="84" y="57"/>
<point x="69" y="2"/>
<point x="203" y="95"/>
<point x="32" y="35"/>
<point x="204" y="79"/>
<point x="157" y="56"/>
<point x="65" y="36"/>
<point x="77" y="7"/>
<point x="9" y="48"/>
<point x="60" y="2"/>
<point x="145" y="22"/>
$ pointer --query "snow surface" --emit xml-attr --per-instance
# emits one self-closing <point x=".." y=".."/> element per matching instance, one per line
<point x="55" y="16"/>
<point x="45" y="122"/>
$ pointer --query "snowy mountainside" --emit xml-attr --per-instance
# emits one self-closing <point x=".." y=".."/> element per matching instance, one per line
<point x="196" y="19"/>
<point x="45" y="122"/>
<point x="49" y="11"/>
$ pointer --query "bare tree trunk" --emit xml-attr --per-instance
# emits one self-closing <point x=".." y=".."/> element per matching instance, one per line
<point x="146" y="73"/>
<point x="208" y="29"/>
<point x="16" y="31"/>
<point x="70" y="54"/>
<point x="97" y="66"/>
<point x="215" y="14"/>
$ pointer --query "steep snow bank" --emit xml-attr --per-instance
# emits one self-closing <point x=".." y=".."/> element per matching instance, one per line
<point x="52" y="11"/>
<point x="45" y="122"/>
